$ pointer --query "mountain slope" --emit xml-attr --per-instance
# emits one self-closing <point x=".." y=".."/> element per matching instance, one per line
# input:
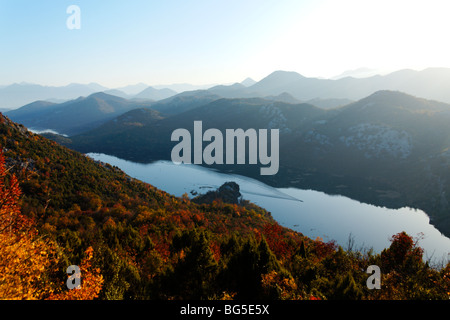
<point x="184" y="101"/>
<point x="155" y="94"/>
<point x="431" y="83"/>
<point x="17" y="95"/>
<point x="248" y="82"/>
<point x="74" y="116"/>
<point x="389" y="149"/>
<point x="152" y="140"/>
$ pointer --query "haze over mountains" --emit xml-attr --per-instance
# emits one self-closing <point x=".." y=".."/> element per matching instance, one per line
<point x="19" y="94"/>
<point x="74" y="116"/>
<point x="288" y="87"/>
<point x="431" y="83"/>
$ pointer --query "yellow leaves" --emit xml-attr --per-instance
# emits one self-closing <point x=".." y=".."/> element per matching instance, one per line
<point x="23" y="260"/>
<point x="228" y="295"/>
<point x="24" y="257"/>
<point x="91" y="281"/>
<point x="285" y="286"/>
<point x="89" y="254"/>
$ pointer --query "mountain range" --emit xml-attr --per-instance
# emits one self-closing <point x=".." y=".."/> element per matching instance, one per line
<point x="288" y="87"/>
<point x="74" y="116"/>
<point x="19" y="94"/>
<point x="431" y="83"/>
<point x="383" y="140"/>
<point x="389" y="149"/>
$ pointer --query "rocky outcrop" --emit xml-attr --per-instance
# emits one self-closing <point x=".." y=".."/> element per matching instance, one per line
<point x="228" y="193"/>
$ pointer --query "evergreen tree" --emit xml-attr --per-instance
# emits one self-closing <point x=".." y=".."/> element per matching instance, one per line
<point x="346" y="288"/>
<point x="194" y="276"/>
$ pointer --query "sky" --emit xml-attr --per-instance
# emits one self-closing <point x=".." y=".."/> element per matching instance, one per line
<point x="216" y="41"/>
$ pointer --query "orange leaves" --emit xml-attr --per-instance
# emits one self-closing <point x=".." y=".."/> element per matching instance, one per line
<point x="9" y="197"/>
<point x="26" y="260"/>
<point x="279" y="287"/>
<point x="91" y="281"/>
<point x="215" y="249"/>
<point x="24" y="257"/>
<point x="23" y="262"/>
<point x="162" y="248"/>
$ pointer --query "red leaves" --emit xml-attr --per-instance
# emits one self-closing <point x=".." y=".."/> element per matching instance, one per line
<point x="323" y="249"/>
<point x="9" y="197"/>
<point x="282" y="242"/>
<point x="402" y="249"/>
<point x="24" y="258"/>
<point x="215" y="249"/>
<point x="275" y="239"/>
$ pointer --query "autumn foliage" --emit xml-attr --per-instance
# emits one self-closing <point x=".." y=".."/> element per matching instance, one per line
<point x="27" y="260"/>
<point x="91" y="282"/>
<point x="24" y="257"/>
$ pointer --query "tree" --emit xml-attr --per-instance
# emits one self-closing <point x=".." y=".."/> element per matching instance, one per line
<point x="9" y="198"/>
<point x="279" y="287"/>
<point x="91" y="281"/>
<point x="403" y="255"/>
<point x="26" y="259"/>
<point x="346" y="288"/>
<point x="243" y="274"/>
<point x="302" y="250"/>
<point x="194" y="276"/>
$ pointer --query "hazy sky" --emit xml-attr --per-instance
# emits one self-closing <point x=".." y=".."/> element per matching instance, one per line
<point x="212" y="41"/>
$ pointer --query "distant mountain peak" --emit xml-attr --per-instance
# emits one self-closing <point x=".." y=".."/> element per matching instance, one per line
<point x="281" y="78"/>
<point x="286" y="74"/>
<point x="401" y="101"/>
<point x="248" y="82"/>
<point x="359" y="73"/>
<point x="101" y="94"/>
<point x="155" y="94"/>
<point x="389" y="94"/>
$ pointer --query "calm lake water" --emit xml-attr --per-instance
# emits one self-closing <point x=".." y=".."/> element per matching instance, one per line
<point x="313" y="213"/>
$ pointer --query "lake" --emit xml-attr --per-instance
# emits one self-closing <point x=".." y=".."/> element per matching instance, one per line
<point x="313" y="213"/>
